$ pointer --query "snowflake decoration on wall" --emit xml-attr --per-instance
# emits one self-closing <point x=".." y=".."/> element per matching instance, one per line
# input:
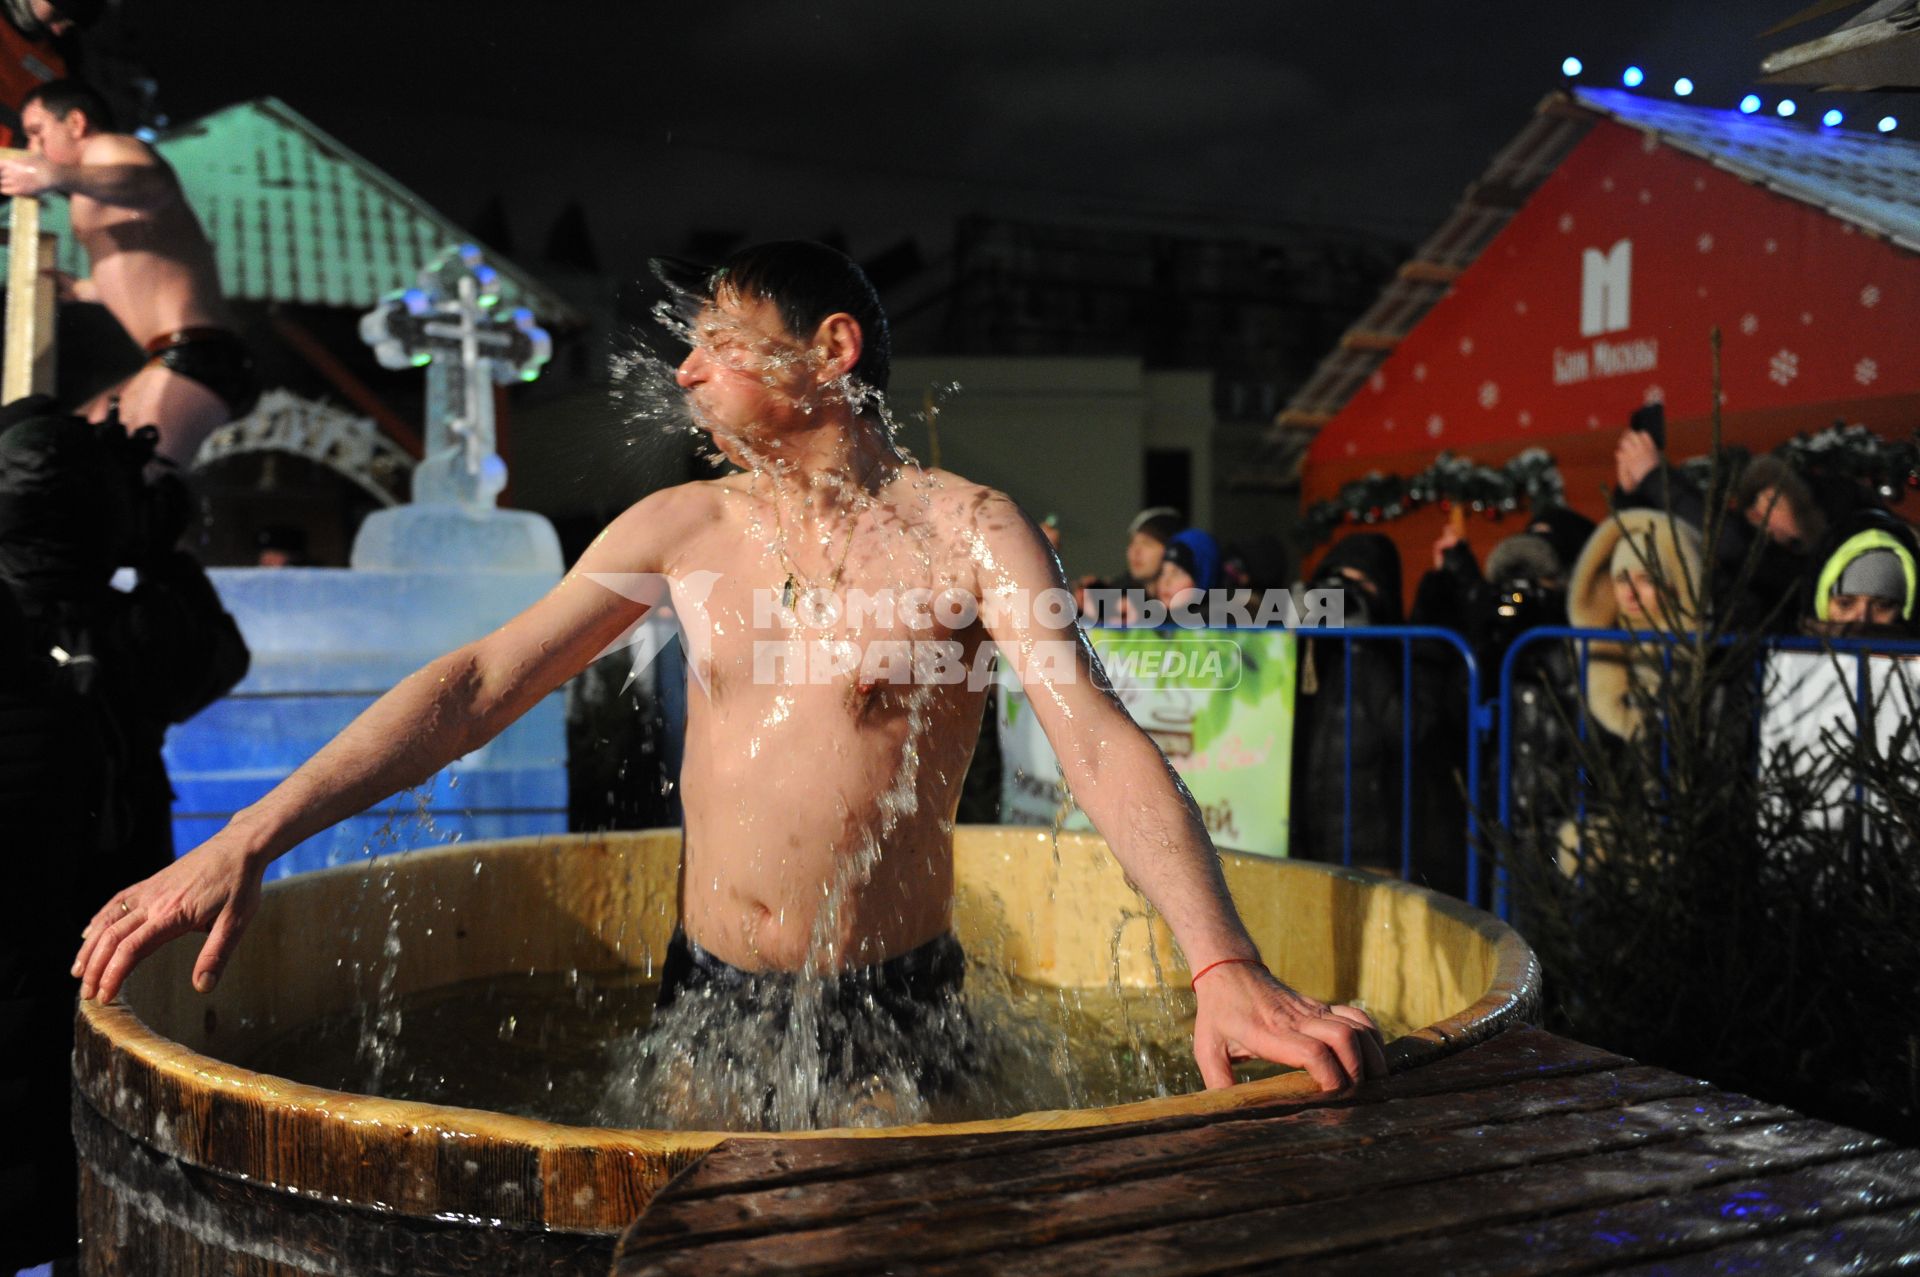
<point x="1783" y="368"/>
<point x="1489" y="394"/>
<point x="1866" y="372"/>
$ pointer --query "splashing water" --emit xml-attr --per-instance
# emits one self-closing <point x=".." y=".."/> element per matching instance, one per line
<point x="812" y="1048"/>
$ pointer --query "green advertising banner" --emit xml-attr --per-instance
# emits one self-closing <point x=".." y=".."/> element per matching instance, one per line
<point x="1219" y="703"/>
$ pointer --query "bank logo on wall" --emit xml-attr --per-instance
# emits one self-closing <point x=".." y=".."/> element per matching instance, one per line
<point x="1606" y="289"/>
<point x="1606" y="306"/>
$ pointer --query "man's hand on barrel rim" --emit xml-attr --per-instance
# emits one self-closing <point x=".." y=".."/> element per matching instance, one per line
<point x="1243" y="1013"/>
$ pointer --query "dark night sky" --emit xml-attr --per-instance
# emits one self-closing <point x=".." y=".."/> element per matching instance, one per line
<point x="890" y="117"/>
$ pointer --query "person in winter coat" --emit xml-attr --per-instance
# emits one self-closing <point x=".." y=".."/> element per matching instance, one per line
<point x="1865" y="586"/>
<point x="1189" y="567"/>
<point x="1349" y="810"/>
<point x="1644" y="572"/>
<point x="90" y="677"/>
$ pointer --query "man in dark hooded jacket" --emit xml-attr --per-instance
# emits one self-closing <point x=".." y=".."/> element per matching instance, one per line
<point x="90" y="676"/>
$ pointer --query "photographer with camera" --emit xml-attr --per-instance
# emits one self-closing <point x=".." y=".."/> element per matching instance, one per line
<point x="90" y="678"/>
<point x="1365" y="571"/>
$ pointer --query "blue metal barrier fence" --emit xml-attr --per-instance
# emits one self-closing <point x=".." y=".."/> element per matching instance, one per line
<point x="1474" y="717"/>
<point x="1501" y="708"/>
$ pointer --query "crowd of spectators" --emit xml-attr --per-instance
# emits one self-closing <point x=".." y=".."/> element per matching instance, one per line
<point x="1755" y="547"/>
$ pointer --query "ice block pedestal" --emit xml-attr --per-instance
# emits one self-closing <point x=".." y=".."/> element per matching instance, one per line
<point x="328" y="641"/>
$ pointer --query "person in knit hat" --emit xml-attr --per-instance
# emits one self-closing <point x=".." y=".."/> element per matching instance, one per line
<point x="1189" y="567"/>
<point x="1147" y="537"/>
<point x="1867" y="579"/>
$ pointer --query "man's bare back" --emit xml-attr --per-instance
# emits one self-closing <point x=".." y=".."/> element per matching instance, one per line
<point x="152" y="268"/>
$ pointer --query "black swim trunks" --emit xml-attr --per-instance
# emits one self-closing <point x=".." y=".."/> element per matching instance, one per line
<point x="215" y="358"/>
<point x="869" y="1017"/>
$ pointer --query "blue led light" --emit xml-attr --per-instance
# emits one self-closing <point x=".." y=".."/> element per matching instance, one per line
<point x="1749" y="104"/>
<point x="1572" y="66"/>
<point x="1683" y="87"/>
<point x="1832" y="118"/>
<point x="1887" y="124"/>
<point x="1787" y="107"/>
<point x="1633" y="77"/>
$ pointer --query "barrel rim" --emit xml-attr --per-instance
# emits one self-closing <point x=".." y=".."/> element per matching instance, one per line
<point x="142" y="1062"/>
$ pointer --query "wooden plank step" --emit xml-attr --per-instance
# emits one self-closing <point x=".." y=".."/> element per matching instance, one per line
<point x="1259" y="1241"/>
<point x="788" y="1203"/>
<point x="1882" y="1243"/>
<point x="1800" y="1213"/>
<point x="1514" y="1056"/>
<point x="1485" y="1171"/>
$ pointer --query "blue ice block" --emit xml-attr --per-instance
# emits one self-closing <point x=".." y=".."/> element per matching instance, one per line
<point x="326" y="643"/>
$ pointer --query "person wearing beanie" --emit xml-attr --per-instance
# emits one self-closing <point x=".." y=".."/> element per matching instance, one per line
<point x="1189" y="566"/>
<point x="1563" y="528"/>
<point x="1368" y="564"/>
<point x="1147" y="537"/>
<point x="1867" y="578"/>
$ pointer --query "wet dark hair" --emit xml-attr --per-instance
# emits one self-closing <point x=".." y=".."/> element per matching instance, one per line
<point x="61" y="98"/>
<point x="806" y="282"/>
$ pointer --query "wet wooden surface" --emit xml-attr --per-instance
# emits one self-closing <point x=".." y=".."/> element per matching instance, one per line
<point x="1528" y="1154"/>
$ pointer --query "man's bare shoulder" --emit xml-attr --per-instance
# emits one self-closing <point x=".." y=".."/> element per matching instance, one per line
<point x="645" y="535"/>
<point x="958" y="502"/>
<point x="118" y="148"/>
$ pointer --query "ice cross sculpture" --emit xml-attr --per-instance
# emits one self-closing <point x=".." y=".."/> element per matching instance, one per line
<point x="447" y="323"/>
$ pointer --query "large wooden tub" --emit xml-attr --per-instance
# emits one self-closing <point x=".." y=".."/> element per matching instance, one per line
<point x="193" y="1165"/>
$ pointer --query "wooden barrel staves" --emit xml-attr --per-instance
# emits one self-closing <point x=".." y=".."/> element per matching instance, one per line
<point x="194" y="1164"/>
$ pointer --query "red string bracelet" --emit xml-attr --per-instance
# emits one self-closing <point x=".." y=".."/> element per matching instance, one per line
<point x="1225" y="962"/>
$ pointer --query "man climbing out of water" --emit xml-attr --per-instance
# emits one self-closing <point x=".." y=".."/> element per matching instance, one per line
<point x="820" y="780"/>
<point x="152" y="266"/>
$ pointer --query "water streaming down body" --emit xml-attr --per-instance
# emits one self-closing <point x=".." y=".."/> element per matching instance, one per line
<point x="820" y="1055"/>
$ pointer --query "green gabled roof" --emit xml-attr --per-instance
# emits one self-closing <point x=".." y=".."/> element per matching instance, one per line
<point x="294" y="216"/>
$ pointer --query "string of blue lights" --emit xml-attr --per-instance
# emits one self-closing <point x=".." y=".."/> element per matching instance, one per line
<point x="1634" y="77"/>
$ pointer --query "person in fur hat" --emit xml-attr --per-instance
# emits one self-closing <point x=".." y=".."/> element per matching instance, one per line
<point x="1641" y="571"/>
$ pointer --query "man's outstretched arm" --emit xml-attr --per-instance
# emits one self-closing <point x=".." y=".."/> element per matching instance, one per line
<point x="113" y="169"/>
<point x="1138" y="803"/>
<point x="438" y="714"/>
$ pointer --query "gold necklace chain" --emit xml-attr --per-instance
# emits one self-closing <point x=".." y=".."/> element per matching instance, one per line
<point x="787" y="591"/>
